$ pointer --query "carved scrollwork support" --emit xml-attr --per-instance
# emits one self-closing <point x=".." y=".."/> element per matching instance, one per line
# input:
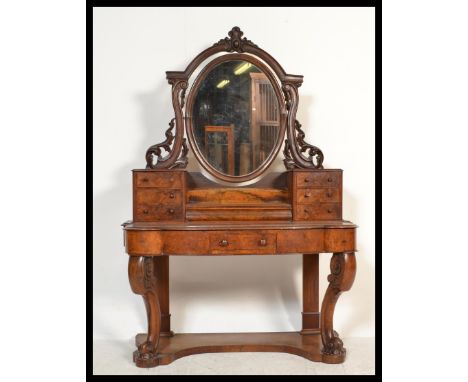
<point x="142" y="276"/>
<point x="341" y="278"/>
<point x="175" y="145"/>
<point x="297" y="152"/>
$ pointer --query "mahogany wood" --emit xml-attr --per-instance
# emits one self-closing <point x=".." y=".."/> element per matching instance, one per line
<point x="310" y="294"/>
<point x="161" y="270"/>
<point x="176" y="212"/>
<point x="141" y="242"/>
<point x="343" y="271"/>
<point x="143" y="282"/>
<point x="183" y="345"/>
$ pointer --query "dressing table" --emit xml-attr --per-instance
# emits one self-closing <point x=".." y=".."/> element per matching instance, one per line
<point x="235" y="115"/>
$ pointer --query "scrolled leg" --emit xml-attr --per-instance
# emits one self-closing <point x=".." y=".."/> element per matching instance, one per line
<point x="343" y="270"/>
<point x="142" y="276"/>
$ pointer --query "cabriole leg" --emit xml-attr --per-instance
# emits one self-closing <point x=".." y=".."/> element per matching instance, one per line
<point x="343" y="270"/>
<point x="142" y="276"/>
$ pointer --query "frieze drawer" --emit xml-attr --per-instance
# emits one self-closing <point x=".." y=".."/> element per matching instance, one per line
<point x="242" y="242"/>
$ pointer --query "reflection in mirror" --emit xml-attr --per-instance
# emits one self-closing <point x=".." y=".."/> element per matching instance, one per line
<point x="236" y="118"/>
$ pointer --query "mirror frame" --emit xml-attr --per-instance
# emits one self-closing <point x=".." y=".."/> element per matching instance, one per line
<point x="297" y="152"/>
<point x="189" y="114"/>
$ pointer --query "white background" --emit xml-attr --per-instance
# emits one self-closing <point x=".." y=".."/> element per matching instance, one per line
<point x="334" y="50"/>
<point x="42" y="77"/>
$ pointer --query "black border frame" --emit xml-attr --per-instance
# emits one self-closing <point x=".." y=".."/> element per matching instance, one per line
<point x="378" y="156"/>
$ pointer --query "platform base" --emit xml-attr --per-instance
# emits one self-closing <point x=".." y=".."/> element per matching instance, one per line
<point x="182" y="345"/>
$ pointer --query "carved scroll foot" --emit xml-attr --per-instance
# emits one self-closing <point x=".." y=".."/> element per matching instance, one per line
<point x="142" y="278"/>
<point x="343" y="270"/>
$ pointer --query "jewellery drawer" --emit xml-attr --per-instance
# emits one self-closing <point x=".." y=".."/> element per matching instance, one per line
<point x="156" y="212"/>
<point x="318" y="211"/>
<point x="318" y="179"/>
<point x="160" y="179"/>
<point x="158" y="196"/>
<point x="313" y="195"/>
<point x="242" y="242"/>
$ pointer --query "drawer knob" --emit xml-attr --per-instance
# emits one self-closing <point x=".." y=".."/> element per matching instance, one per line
<point x="144" y="180"/>
<point x="145" y="212"/>
<point x="307" y="194"/>
<point x="329" y="194"/>
<point x="223" y="243"/>
<point x="262" y="242"/>
<point x="171" y="210"/>
<point x="306" y="180"/>
<point x="329" y="210"/>
<point x="330" y="179"/>
<point x="306" y="210"/>
<point x="171" y="179"/>
<point x="171" y="195"/>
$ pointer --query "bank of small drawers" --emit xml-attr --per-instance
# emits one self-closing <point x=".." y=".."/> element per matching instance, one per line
<point x="317" y="194"/>
<point x="158" y="196"/>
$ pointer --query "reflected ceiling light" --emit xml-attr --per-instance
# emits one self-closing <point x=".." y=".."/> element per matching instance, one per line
<point x="242" y="68"/>
<point x="222" y="84"/>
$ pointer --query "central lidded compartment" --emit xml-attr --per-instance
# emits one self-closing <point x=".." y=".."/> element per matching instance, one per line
<point x="268" y="199"/>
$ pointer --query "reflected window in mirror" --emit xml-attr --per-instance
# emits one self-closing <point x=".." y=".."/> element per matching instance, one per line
<point x="236" y="117"/>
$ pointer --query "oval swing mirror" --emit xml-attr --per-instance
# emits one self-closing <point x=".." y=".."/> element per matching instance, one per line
<point x="234" y="118"/>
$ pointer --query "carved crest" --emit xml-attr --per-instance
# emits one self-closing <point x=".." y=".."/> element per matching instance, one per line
<point x="235" y="42"/>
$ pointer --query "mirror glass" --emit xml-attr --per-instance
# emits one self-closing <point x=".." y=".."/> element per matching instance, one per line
<point x="236" y="117"/>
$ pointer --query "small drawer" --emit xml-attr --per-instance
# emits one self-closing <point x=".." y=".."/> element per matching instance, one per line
<point x="318" y="211"/>
<point x="157" y="212"/>
<point x="158" y="196"/>
<point x="242" y="242"/>
<point x="313" y="195"/>
<point x="160" y="179"/>
<point x="318" y="179"/>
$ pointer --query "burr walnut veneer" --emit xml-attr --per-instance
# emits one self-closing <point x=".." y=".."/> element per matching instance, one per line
<point x="234" y="213"/>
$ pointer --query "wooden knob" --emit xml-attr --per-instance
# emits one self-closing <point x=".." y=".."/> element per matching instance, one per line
<point x="329" y="194"/>
<point x="307" y="194"/>
<point x="306" y="180"/>
<point x="145" y="212"/>
<point x="262" y="242"/>
<point x="171" y="210"/>
<point x="330" y="179"/>
<point x="171" y="195"/>
<point x="171" y="180"/>
<point x="223" y="243"/>
<point x="329" y="210"/>
<point x="144" y="180"/>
